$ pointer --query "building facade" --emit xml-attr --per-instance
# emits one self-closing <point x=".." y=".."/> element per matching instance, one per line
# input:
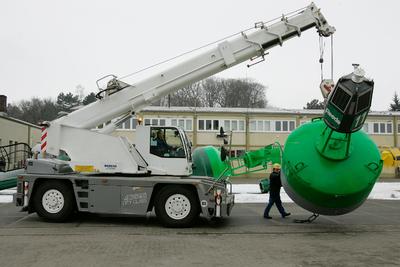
<point x="251" y="128"/>
<point x="14" y="131"/>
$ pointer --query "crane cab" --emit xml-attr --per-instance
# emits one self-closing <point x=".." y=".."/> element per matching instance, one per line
<point x="166" y="150"/>
<point x="349" y="102"/>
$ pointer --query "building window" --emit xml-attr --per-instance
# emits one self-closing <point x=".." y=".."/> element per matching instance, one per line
<point x="227" y="125"/>
<point x="260" y="126"/>
<point x="382" y="128"/>
<point x="189" y="125"/>
<point x="389" y="128"/>
<point x="201" y="125"/>
<point x="267" y="126"/>
<point x="291" y="125"/>
<point x="272" y="126"/>
<point x="285" y="126"/>
<point x="376" y="127"/>
<point x="253" y="127"/>
<point x="181" y="123"/>
<point x="234" y="125"/>
<point x="215" y="125"/>
<point x="241" y="125"/>
<point x="278" y="127"/>
<point x="208" y="125"/>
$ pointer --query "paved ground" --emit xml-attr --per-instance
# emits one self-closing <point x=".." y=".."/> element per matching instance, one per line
<point x="370" y="236"/>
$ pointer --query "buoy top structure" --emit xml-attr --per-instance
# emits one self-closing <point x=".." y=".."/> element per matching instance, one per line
<point x="349" y="102"/>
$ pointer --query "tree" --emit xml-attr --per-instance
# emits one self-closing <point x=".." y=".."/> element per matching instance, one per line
<point x="14" y="111"/>
<point x="189" y="96"/>
<point x="243" y="93"/>
<point x="315" y="104"/>
<point x="66" y="102"/>
<point x="90" y="98"/>
<point x="395" y="106"/>
<point x="211" y="91"/>
<point x="218" y="92"/>
<point x="34" y="110"/>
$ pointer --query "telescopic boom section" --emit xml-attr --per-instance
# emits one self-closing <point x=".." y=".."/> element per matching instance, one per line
<point x="130" y="98"/>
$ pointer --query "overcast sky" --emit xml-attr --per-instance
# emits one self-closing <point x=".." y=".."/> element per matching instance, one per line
<point x="50" y="46"/>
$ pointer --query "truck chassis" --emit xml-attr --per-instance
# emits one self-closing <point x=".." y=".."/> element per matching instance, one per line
<point x="177" y="201"/>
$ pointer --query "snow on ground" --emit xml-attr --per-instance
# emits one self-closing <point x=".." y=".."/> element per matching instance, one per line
<point x="6" y="195"/>
<point x="250" y="193"/>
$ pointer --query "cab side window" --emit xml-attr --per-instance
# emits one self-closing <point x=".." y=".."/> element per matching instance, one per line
<point x="166" y="143"/>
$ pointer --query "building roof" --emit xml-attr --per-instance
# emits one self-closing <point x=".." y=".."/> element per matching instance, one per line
<point x="253" y="110"/>
<point x="2" y="116"/>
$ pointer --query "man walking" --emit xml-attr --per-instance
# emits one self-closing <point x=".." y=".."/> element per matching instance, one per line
<point x="275" y="185"/>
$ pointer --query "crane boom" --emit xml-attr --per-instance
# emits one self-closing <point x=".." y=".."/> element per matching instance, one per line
<point x="227" y="54"/>
<point x="114" y="154"/>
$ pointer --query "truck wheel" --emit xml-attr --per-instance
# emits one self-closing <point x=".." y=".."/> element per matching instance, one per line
<point x="54" y="201"/>
<point x="176" y="206"/>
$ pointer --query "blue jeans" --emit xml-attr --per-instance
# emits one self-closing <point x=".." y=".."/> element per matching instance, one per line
<point x="274" y="198"/>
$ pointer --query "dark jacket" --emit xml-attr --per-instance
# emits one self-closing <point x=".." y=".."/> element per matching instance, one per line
<point x="275" y="182"/>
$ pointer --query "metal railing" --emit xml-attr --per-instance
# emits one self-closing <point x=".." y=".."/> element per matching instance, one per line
<point x="13" y="157"/>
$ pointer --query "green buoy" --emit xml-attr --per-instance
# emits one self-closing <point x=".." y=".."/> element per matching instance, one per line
<point x="329" y="166"/>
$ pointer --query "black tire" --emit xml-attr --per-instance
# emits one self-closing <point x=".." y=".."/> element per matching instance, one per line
<point x="54" y="191"/>
<point x="186" y="205"/>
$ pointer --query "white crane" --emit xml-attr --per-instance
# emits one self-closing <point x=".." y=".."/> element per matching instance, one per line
<point x="155" y="172"/>
<point x="105" y="153"/>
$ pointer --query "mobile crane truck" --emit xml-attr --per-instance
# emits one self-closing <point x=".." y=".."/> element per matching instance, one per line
<point x="125" y="178"/>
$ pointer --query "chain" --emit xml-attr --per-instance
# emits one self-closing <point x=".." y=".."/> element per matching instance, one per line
<point x="308" y="220"/>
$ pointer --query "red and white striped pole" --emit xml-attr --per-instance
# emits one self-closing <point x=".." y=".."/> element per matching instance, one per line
<point x="43" y="145"/>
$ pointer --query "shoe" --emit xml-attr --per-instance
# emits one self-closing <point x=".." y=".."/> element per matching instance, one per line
<point x="286" y="214"/>
<point x="267" y="217"/>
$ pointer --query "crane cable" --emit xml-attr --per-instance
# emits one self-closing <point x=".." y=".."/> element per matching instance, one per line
<point x="321" y="56"/>
<point x="332" y="57"/>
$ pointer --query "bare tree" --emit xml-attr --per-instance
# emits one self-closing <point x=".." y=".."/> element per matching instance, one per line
<point x="218" y="92"/>
<point x="211" y="90"/>
<point x="189" y="96"/>
<point x="243" y="93"/>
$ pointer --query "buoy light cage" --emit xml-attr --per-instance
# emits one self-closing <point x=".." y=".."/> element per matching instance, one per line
<point x="348" y="104"/>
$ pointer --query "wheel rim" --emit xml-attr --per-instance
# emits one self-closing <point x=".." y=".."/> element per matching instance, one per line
<point x="53" y="201"/>
<point x="177" y="206"/>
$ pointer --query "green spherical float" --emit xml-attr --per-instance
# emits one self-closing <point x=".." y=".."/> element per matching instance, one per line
<point x="329" y="167"/>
